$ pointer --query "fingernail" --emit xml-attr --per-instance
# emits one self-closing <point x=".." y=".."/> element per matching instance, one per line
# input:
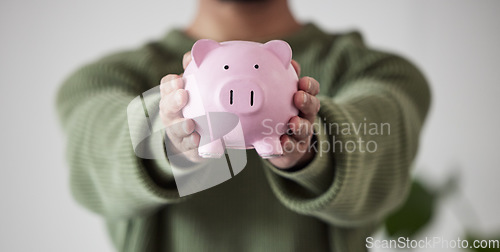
<point x="305" y="97"/>
<point x="309" y="84"/>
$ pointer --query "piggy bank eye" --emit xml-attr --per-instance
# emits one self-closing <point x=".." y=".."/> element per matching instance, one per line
<point x="226" y="67"/>
<point x="256" y="66"/>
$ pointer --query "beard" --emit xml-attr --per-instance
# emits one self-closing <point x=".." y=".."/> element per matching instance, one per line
<point x="244" y="1"/>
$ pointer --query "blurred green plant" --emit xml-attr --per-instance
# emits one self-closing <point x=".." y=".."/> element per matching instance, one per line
<point x="415" y="213"/>
<point x="419" y="209"/>
<point x="473" y="237"/>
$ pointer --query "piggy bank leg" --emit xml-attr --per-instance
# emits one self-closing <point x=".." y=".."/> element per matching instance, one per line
<point x="269" y="147"/>
<point x="214" y="149"/>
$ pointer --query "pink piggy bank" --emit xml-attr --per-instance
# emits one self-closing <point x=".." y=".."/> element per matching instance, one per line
<point x="240" y="95"/>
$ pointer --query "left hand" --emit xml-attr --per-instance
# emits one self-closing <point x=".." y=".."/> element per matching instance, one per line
<point x="296" y="151"/>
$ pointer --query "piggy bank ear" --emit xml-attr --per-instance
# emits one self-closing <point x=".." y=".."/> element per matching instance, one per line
<point x="201" y="48"/>
<point x="281" y="49"/>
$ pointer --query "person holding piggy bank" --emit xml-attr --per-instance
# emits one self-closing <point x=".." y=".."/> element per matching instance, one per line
<point x="311" y="191"/>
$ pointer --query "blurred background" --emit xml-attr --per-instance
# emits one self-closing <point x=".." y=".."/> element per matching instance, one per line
<point x="455" y="43"/>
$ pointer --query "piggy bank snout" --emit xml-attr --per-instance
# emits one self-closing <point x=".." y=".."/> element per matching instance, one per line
<point x="241" y="96"/>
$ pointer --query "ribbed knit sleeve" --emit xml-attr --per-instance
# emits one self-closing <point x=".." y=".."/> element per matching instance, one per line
<point x="106" y="176"/>
<point x="352" y="187"/>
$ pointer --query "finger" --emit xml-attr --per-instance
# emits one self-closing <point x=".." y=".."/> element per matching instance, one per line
<point x="309" y="85"/>
<point x="193" y="156"/>
<point x="300" y="127"/>
<point x="307" y="104"/>
<point x="182" y="127"/>
<point x="288" y="145"/>
<point x="301" y="146"/>
<point x="186" y="59"/>
<point x="176" y="146"/>
<point x="171" y="105"/>
<point x="296" y="66"/>
<point x="175" y="101"/>
<point x="190" y="142"/>
<point x="168" y="77"/>
<point x="293" y="149"/>
<point x="171" y="85"/>
<point x="190" y="146"/>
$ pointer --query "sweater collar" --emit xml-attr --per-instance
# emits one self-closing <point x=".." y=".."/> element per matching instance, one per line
<point x="177" y="41"/>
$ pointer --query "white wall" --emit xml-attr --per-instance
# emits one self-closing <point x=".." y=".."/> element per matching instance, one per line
<point x="453" y="41"/>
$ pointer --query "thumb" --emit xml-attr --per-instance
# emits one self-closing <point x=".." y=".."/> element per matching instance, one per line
<point x="186" y="59"/>
<point x="296" y="66"/>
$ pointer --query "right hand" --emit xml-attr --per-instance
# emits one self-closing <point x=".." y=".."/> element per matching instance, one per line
<point x="180" y="131"/>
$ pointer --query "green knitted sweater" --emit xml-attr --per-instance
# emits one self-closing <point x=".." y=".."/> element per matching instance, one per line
<point x="332" y="204"/>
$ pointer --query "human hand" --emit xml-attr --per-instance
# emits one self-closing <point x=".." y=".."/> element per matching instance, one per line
<point x="296" y="151"/>
<point x="180" y="131"/>
<point x="183" y="138"/>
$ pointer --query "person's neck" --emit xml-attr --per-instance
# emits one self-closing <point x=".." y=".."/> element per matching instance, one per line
<point x="222" y="21"/>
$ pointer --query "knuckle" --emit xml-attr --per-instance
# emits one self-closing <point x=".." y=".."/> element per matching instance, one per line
<point x="187" y="143"/>
<point x="189" y="126"/>
<point x="193" y="156"/>
<point x="164" y="90"/>
<point x="178" y="131"/>
<point x="176" y="83"/>
<point x="170" y="85"/>
<point x="171" y="105"/>
<point x="175" y="141"/>
<point x="171" y="138"/>
<point x="162" y="106"/>
<point x="315" y="101"/>
<point x="168" y="77"/>
<point x="196" y="138"/>
<point x="312" y="105"/>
